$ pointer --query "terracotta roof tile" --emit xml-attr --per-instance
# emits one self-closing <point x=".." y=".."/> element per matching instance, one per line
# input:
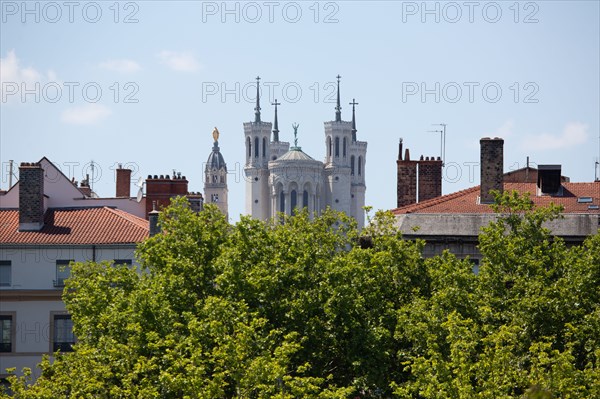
<point x="75" y="226"/>
<point x="466" y="201"/>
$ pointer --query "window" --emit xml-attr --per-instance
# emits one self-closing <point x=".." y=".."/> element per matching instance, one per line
<point x="214" y="198"/>
<point x="63" y="338"/>
<point x="329" y="147"/>
<point x="63" y="270"/>
<point x="352" y="165"/>
<point x="5" y="273"/>
<point x="7" y="333"/>
<point x="122" y="262"/>
<point x="293" y="200"/>
<point x="359" y="166"/>
<point x="305" y="199"/>
<point x="264" y="147"/>
<point x="344" y="148"/>
<point x="256" y="148"/>
<point x="337" y="146"/>
<point x="281" y="202"/>
<point x="249" y="145"/>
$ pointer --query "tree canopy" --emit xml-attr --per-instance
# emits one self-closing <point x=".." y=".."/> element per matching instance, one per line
<point x="314" y="308"/>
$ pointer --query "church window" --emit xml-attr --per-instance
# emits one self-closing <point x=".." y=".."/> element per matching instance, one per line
<point x="281" y="202"/>
<point x="214" y="178"/>
<point x="214" y="197"/>
<point x="337" y="146"/>
<point x="352" y="159"/>
<point x="329" y="147"/>
<point x="256" y="149"/>
<point x="344" y="148"/>
<point x="264" y="147"/>
<point x="294" y="199"/>
<point x="359" y="166"/>
<point x="305" y="199"/>
<point x="249" y="145"/>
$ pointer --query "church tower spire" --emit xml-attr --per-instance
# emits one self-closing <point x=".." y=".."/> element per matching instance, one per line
<point x="275" y="124"/>
<point x="257" y="109"/>
<point x="215" y="177"/>
<point x="353" y="103"/>
<point x="338" y="108"/>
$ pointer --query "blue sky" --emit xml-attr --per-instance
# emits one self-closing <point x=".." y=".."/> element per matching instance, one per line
<point x="143" y="83"/>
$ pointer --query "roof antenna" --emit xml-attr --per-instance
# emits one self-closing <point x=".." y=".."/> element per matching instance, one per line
<point x="442" y="140"/>
<point x="93" y="166"/>
<point x="597" y="164"/>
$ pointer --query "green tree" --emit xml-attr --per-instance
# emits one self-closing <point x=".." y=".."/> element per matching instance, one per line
<point x="307" y="307"/>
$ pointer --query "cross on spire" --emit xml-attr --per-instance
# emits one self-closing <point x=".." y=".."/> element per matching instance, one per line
<point x="353" y="103"/>
<point x="275" y="124"/>
<point x="257" y="109"/>
<point x="338" y="108"/>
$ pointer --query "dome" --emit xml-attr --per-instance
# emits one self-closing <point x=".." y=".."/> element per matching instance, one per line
<point x="295" y="154"/>
<point x="215" y="159"/>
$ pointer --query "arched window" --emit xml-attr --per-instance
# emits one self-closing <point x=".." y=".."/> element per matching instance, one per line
<point x="352" y="159"/>
<point x="329" y="147"/>
<point x="281" y="201"/>
<point x="337" y="146"/>
<point x="293" y="200"/>
<point x="256" y="148"/>
<point x="359" y="166"/>
<point x="264" y="147"/>
<point x="249" y="145"/>
<point x="305" y="199"/>
<point x="344" y="148"/>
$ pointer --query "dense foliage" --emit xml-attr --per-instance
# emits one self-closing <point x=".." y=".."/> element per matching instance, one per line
<point x="308" y="308"/>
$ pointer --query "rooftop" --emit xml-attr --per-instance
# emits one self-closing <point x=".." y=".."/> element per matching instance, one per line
<point x="467" y="201"/>
<point x="75" y="226"/>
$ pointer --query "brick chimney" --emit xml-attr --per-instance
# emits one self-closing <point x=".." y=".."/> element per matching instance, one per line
<point x="407" y="178"/>
<point x="429" y="171"/>
<point x="123" y="182"/>
<point x="492" y="165"/>
<point x="430" y="178"/>
<point x="161" y="189"/>
<point x="31" y="197"/>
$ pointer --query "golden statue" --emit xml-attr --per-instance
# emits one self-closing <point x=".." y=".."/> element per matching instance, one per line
<point x="216" y="134"/>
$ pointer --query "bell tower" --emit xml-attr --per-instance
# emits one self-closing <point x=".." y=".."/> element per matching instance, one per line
<point x="257" y="138"/>
<point x="215" y="177"/>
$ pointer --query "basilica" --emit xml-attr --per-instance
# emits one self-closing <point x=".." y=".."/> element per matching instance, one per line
<point x="280" y="178"/>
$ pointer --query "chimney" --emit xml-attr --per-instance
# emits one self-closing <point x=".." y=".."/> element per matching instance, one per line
<point x="407" y="180"/>
<point x="162" y="188"/>
<point x="153" y="220"/>
<point x="123" y="182"/>
<point x="492" y="165"/>
<point x="549" y="179"/>
<point x="31" y="197"/>
<point x="430" y="178"/>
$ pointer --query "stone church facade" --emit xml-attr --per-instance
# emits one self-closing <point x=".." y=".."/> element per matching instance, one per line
<point x="280" y="178"/>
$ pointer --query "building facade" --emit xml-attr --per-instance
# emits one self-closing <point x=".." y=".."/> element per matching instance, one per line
<point x="280" y="178"/>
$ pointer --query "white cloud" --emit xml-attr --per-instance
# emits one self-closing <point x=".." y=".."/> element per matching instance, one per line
<point x="573" y="134"/>
<point x="12" y="75"/>
<point x="121" y="66"/>
<point x="180" y="62"/>
<point x="86" y="114"/>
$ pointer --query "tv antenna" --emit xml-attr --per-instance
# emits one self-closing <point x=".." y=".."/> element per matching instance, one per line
<point x="140" y="193"/>
<point x="597" y="163"/>
<point x="93" y="166"/>
<point x="442" y="133"/>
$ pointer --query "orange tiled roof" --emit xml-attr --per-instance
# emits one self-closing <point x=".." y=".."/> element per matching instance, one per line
<point x="466" y="201"/>
<point x="75" y="226"/>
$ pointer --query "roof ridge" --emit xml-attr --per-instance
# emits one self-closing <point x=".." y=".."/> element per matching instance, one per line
<point x="128" y="216"/>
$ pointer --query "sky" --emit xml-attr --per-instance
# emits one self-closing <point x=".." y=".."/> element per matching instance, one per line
<point x="144" y="83"/>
